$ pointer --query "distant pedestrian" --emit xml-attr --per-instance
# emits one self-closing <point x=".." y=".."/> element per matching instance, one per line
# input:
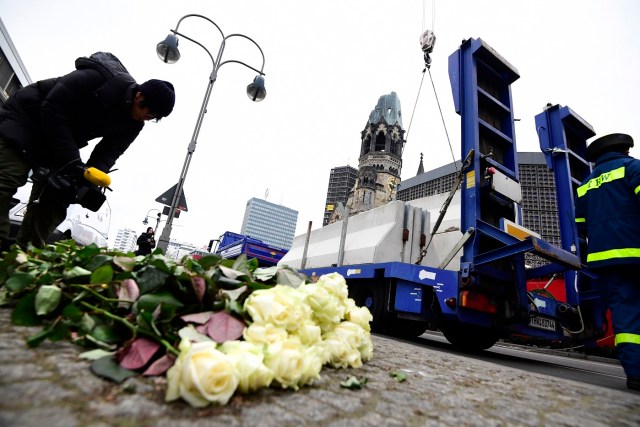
<point x="608" y="205"/>
<point x="146" y="242"/>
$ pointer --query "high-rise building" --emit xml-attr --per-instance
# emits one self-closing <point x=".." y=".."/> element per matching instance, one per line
<point x="341" y="182"/>
<point x="537" y="182"/>
<point x="126" y="240"/>
<point x="13" y="73"/>
<point x="271" y="223"/>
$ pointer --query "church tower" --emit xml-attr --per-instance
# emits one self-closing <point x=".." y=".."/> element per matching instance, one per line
<point x="380" y="161"/>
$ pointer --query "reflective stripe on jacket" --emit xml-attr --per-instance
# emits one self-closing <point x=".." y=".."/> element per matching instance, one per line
<point x="608" y="205"/>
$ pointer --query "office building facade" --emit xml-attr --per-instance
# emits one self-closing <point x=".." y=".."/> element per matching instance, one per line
<point x="126" y="240"/>
<point x="537" y="182"/>
<point x="273" y="224"/>
<point x="341" y="182"/>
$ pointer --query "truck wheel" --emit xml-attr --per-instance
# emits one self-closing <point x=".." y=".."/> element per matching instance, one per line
<point x="372" y="297"/>
<point x="468" y="337"/>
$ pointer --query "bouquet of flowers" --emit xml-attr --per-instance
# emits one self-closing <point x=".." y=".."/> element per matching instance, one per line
<point x="213" y="326"/>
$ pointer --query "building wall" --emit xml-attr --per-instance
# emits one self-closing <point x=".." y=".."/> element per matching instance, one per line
<point x="126" y="240"/>
<point x="539" y="202"/>
<point x="13" y="73"/>
<point x="341" y="182"/>
<point x="271" y="223"/>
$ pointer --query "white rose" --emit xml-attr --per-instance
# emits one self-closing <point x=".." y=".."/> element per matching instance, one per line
<point x="264" y="334"/>
<point x="287" y="361"/>
<point x="312" y="365"/>
<point x="335" y="284"/>
<point x="309" y="333"/>
<point x="327" y="309"/>
<point x="360" y="316"/>
<point x="248" y="360"/>
<point x="339" y="353"/>
<point x="280" y="306"/>
<point x="201" y="375"/>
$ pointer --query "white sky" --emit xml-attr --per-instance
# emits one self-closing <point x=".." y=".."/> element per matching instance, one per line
<point x="326" y="65"/>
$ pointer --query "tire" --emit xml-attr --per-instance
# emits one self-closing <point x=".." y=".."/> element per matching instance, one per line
<point x="372" y="296"/>
<point x="468" y="337"/>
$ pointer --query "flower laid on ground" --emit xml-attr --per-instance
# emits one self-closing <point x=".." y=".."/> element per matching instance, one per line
<point x="215" y="327"/>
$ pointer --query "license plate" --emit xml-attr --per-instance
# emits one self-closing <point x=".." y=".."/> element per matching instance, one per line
<point x="542" y="323"/>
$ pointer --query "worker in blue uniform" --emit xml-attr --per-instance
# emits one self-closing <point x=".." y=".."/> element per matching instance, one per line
<point x="608" y="206"/>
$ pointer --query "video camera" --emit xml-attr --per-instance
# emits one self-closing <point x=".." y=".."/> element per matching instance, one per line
<point x="85" y="186"/>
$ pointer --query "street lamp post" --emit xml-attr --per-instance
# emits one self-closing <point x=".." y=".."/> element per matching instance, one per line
<point x="145" y="220"/>
<point x="168" y="52"/>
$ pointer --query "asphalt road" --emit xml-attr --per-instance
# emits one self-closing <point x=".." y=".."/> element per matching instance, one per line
<point x="598" y="371"/>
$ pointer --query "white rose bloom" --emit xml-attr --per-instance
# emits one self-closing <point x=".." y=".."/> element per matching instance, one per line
<point x="327" y="309"/>
<point x="309" y="333"/>
<point x="248" y="360"/>
<point x="281" y="306"/>
<point x="361" y="316"/>
<point x="335" y="284"/>
<point x="287" y="361"/>
<point x="340" y="353"/>
<point x="312" y="365"/>
<point x="201" y="375"/>
<point x="264" y="334"/>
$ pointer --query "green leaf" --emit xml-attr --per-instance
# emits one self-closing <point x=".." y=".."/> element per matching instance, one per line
<point x="108" y="368"/>
<point x="150" y="302"/>
<point x="24" y="313"/>
<point x="5" y="299"/>
<point x="241" y="264"/>
<point x="47" y="299"/>
<point x="73" y="313"/>
<point x="102" y="274"/>
<point x="353" y="383"/>
<point x="289" y="277"/>
<point x="76" y="272"/>
<point x="124" y="262"/>
<point x="36" y="339"/>
<point x="266" y="273"/>
<point x="150" y="278"/>
<point x="19" y="280"/>
<point x="98" y="261"/>
<point x="107" y="334"/>
<point x="87" y="324"/>
<point x="398" y="376"/>
<point x="209" y="261"/>
<point x="59" y="331"/>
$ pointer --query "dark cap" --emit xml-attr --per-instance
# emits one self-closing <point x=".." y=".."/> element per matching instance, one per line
<point x="159" y="96"/>
<point x="613" y="142"/>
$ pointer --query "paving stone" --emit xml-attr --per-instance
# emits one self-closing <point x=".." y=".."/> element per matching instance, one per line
<point x="51" y="386"/>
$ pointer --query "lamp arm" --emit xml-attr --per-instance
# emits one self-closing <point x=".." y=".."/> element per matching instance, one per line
<point x="252" y="41"/>
<point x="240" y="62"/>
<point x="176" y="32"/>
<point x="199" y="16"/>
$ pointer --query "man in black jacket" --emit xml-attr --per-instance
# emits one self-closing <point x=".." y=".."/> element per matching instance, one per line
<point x="44" y="125"/>
<point x="146" y="242"/>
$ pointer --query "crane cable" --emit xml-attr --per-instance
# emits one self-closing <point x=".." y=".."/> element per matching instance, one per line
<point x="435" y="92"/>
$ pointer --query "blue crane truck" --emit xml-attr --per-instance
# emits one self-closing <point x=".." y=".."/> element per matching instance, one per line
<point x="470" y="280"/>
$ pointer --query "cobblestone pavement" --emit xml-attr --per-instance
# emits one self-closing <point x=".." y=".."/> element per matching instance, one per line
<point x="50" y="386"/>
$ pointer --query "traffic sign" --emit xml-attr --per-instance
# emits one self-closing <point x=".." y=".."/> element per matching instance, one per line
<point x="167" y="197"/>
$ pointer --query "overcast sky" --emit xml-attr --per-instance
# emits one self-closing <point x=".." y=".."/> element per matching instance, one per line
<point x="327" y="63"/>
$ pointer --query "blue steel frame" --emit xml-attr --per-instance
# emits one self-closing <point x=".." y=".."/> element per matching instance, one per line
<point x="470" y="68"/>
<point x="563" y="138"/>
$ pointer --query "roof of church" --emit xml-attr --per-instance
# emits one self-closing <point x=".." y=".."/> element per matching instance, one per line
<point x="388" y="108"/>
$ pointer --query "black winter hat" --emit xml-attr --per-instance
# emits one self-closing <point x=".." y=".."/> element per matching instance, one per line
<point x="159" y="96"/>
<point x="607" y="143"/>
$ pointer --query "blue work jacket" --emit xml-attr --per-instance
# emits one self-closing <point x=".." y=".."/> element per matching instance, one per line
<point x="608" y="205"/>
